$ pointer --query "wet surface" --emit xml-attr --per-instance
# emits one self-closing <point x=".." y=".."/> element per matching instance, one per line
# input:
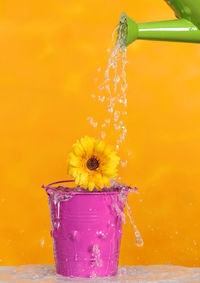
<point x="136" y="274"/>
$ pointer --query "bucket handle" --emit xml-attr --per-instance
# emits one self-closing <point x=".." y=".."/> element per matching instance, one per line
<point x="58" y="182"/>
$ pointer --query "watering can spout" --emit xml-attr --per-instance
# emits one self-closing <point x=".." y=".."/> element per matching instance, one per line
<point x="186" y="28"/>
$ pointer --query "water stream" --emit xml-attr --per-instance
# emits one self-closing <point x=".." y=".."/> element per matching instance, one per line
<point x="114" y="97"/>
<point x="113" y="94"/>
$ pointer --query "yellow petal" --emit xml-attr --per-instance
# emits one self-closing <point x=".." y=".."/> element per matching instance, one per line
<point x="78" y="149"/>
<point x="106" y="181"/>
<point x="98" y="181"/>
<point x="91" y="186"/>
<point x="72" y="171"/>
<point x="99" y="146"/>
<point x="108" y="149"/>
<point x="74" y="160"/>
<point x="83" y="178"/>
<point x="77" y="180"/>
<point x="88" y="144"/>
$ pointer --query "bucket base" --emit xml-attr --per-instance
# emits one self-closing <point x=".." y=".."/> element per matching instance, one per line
<point x="83" y="268"/>
<point x="83" y="274"/>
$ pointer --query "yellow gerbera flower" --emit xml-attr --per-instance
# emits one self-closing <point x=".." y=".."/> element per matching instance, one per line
<point x="92" y="163"/>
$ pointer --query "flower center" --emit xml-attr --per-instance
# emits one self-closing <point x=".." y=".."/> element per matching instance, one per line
<point x="92" y="163"/>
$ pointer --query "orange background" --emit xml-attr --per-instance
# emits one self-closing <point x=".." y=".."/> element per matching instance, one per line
<point x="49" y="55"/>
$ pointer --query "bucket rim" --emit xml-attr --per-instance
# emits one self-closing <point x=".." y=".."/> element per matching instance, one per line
<point x="50" y="190"/>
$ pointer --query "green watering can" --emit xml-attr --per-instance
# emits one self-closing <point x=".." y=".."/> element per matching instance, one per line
<point x="186" y="28"/>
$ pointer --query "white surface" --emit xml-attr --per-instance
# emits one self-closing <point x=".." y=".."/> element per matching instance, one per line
<point x="136" y="274"/>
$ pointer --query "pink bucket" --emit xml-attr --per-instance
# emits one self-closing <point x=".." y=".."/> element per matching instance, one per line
<point x="86" y="231"/>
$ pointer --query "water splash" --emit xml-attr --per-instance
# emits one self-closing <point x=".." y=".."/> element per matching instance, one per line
<point x="138" y="238"/>
<point x="96" y="256"/>
<point x="151" y="273"/>
<point x="122" y="198"/>
<point x="119" y="210"/>
<point x="57" y="199"/>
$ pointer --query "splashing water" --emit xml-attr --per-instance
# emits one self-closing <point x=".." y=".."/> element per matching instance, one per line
<point x="114" y="99"/>
<point x="138" y="238"/>
<point x="57" y="199"/>
<point x="96" y="256"/>
<point x="119" y="210"/>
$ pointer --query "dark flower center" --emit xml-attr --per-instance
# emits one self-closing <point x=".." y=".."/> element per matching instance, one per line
<point x="92" y="163"/>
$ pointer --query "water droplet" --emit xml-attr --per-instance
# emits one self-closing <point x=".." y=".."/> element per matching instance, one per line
<point x="117" y="127"/>
<point x="107" y="87"/>
<point x="117" y="79"/>
<point x="106" y="76"/>
<point x="116" y="115"/>
<point x="120" y="139"/>
<point x="95" y="79"/>
<point x="93" y="95"/>
<point x="42" y="242"/>
<point x="93" y="275"/>
<point x="112" y="101"/>
<point x="123" y="136"/>
<point x="103" y="125"/>
<point x="99" y="69"/>
<point x="123" y="163"/>
<point x="139" y="240"/>
<point x="101" y="235"/>
<point x="103" y="134"/>
<point x="124" y="129"/>
<point x="123" y="87"/>
<point x="101" y="87"/>
<point x="125" y="102"/>
<point x="101" y="98"/>
<point x="92" y="122"/>
<point x="117" y="147"/>
<point x="110" y="109"/>
<point x="108" y="50"/>
<point x="107" y="121"/>
<point x="129" y="152"/>
<point x="194" y="242"/>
